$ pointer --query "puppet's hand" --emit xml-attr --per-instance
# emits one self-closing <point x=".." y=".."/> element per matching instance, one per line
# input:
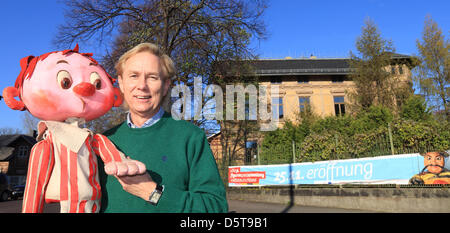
<point x="127" y="167"/>
<point x="416" y="180"/>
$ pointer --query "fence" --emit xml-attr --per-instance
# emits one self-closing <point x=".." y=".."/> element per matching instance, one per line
<point x="336" y="146"/>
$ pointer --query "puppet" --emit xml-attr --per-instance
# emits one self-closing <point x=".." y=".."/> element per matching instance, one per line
<point x="64" y="89"/>
<point x="434" y="171"/>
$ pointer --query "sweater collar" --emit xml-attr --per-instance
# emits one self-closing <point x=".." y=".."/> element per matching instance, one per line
<point x="149" y="122"/>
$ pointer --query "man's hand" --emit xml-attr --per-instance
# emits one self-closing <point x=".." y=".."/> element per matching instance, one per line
<point x="127" y="167"/>
<point x="139" y="185"/>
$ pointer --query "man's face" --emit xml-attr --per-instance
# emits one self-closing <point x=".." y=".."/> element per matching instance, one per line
<point x="434" y="161"/>
<point x="142" y="84"/>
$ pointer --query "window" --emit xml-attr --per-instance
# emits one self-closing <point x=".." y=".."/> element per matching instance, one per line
<point x="400" y="69"/>
<point x="277" y="108"/>
<point x="303" y="103"/>
<point x="250" y="111"/>
<point x="392" y="70"/>
<point x="179" y="106"/>
<point x="339" y="105"/>
<point x="23" y="152"/>
<point x="275" y="80"/>
<point x="251" y="152"/>
<point x="302" y="79"/>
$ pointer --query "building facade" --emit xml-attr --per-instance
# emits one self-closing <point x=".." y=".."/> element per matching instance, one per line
<point x="321" y="86"/>
<point x="14" y="155"/>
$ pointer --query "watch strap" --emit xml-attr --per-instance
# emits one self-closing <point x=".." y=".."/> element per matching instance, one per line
<point x="156" y="194"/>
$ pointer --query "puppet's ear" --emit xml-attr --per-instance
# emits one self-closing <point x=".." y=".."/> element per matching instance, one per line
<point x="118" y="97"/>
<point x="8" y="94"/>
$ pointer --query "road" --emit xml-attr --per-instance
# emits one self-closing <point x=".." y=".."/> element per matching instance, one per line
<point x="16" y="207"/>
<point x="234" y="206"/>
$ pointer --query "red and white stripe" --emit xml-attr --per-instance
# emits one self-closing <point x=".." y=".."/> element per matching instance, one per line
<point x="61" y="175"/>
<point x="40" y="167"/>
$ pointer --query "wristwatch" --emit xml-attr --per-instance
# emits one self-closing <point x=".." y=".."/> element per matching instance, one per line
<point x="156" y="194"/>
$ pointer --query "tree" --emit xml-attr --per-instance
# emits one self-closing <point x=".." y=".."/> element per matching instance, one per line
<point x="196" y="34"/>
<point x="416" y="109"/>
<point x="433" y="73"/>
<point x="29" y="123"/>
<point x="374" y="83"/>
<point x="8" y="130"/>
<point x="205" y="38"/>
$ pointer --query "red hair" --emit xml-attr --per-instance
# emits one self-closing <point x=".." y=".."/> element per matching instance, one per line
<point x="28" y="64"/>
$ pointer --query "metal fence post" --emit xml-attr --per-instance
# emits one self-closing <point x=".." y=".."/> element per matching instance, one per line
<point x="293" y="151"/>
<point x="390" y="138"/>
<point x="257" y="153"/>
<point x="336" y="146"/>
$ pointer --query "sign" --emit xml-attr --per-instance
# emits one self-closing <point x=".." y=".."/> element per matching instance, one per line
<point x="393" y="169"/>
<point x="236" y="176"/>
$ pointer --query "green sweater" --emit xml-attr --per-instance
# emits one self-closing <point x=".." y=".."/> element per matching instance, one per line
<point x="178" y="156"/>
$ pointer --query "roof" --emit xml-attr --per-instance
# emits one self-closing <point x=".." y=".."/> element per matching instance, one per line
<point x="6" y="140"/>
<point x="301" y="66"/>
<point x="6" y="152"/>
<point x="307" y="66"/>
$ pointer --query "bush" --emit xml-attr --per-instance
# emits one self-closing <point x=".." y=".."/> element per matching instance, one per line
<point x="415" y="108"/>
<point x="323" y="146"/>
<point x="375" y="117"/>
<point x="413" y="136"/>
<point x="365" y="135"/>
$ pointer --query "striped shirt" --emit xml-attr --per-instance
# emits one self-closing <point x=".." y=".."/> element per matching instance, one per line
<point x="60" y="172"/>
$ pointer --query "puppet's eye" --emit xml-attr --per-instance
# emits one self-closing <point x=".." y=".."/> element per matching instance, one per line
<point x="96" y="81"/>
<point x="64" y="79"/>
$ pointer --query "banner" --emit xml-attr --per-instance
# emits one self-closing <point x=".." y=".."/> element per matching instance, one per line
<point x="393" y="169"/>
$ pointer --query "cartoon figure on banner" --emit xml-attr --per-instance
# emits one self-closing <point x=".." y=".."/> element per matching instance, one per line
<point x="434" y="171"/>
<point x="65" y="89"/>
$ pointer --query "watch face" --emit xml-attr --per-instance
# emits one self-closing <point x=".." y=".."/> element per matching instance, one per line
<point x="155" y="197"/>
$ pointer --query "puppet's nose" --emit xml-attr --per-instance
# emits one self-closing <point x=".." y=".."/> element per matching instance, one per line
<point x="84" y="89"/>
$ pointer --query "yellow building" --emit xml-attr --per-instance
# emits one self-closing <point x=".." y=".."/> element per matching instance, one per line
<point x="321" y="83"/>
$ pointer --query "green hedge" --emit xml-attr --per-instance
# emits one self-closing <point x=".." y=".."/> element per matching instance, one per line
<point x="364" y="135"/>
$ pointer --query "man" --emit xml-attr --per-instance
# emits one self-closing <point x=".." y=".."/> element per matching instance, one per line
<point x="182" y="173"/>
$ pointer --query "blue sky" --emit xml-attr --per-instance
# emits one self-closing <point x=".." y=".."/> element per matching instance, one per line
<point x="325" y="28"/>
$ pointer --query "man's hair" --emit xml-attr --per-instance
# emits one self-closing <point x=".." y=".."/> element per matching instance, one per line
<point x="167" y="65"/>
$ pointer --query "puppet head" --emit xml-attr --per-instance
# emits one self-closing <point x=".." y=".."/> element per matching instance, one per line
<point x="434" y="161"/>
<point x="63" y="84"/>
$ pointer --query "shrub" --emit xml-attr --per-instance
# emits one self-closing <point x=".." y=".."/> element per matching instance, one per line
<point x="415" y="108"/>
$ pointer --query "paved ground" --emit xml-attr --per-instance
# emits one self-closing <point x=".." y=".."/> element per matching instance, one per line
<point x="258" y="207"/>
<point x="234" y="206"/>
<point x="16" y="207"/>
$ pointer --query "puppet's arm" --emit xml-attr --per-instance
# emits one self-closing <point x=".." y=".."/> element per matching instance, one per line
<point x="40" y="167"/>
<point x="115" y="161"/>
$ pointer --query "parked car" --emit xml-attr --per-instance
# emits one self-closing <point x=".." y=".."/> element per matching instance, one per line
<point x="17" y="192"/>
<point x="4" y="188"/>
